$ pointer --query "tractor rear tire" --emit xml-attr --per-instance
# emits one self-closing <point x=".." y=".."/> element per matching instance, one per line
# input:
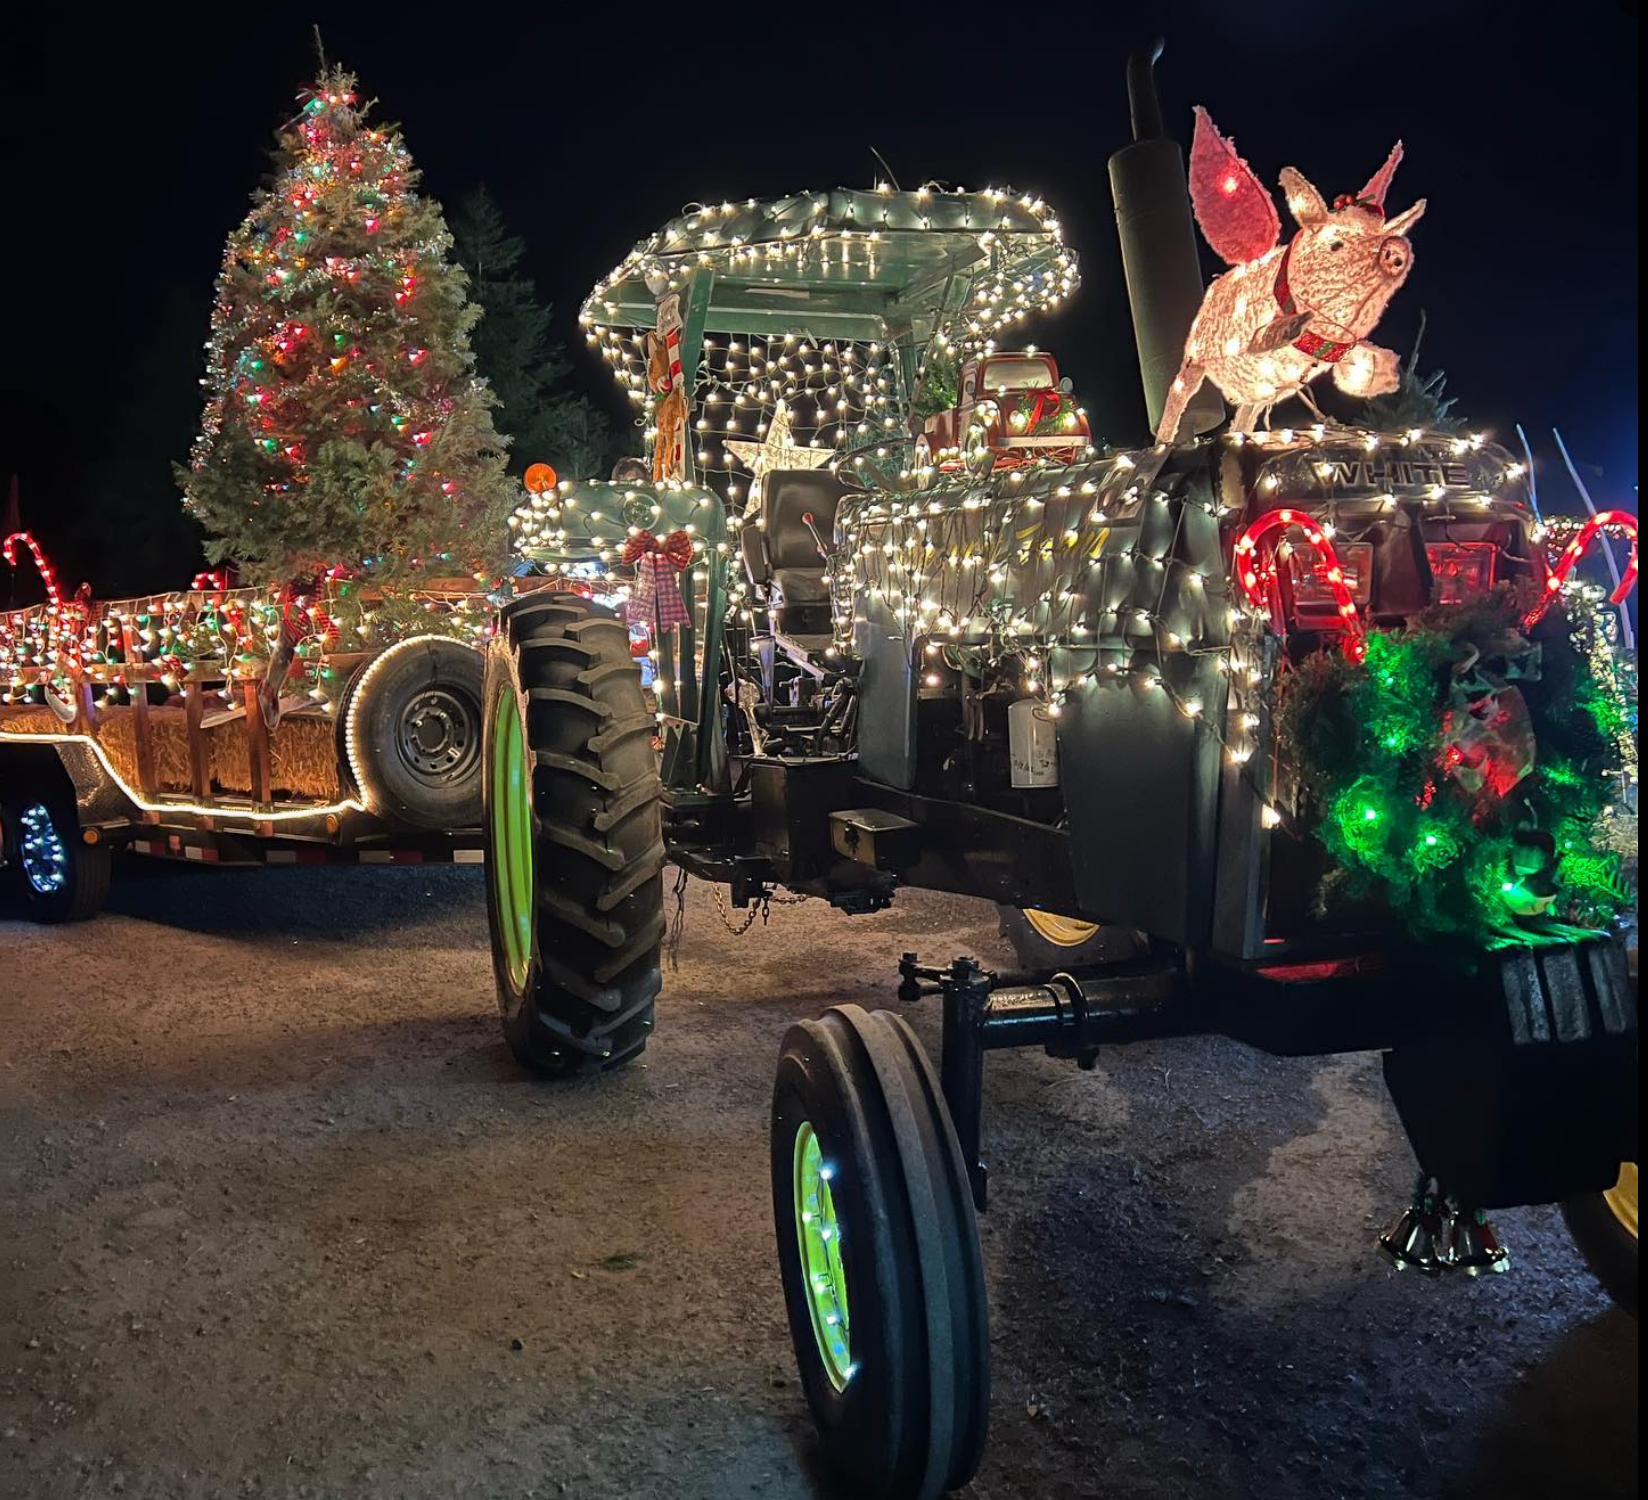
<point x="574" y="849"/>
<point x="1042" y="941"/>
<point x="879" y="1250"/>
<point x="1604" y="1227"/>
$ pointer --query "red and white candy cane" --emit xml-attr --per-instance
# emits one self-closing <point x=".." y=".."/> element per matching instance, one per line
<point x="67" y="617"/>
<point x="1578" y="547"/>
<point x="47" y="576"/>
<point x="1248" y="572"/>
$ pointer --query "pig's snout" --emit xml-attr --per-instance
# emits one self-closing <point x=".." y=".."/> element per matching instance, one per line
<point x="1395" y="257"/>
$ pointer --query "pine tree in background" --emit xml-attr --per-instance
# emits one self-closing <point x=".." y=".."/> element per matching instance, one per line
<point x="345" y="426"/>
<point x="513" y="346"/>
<point x="1418" y="401"/>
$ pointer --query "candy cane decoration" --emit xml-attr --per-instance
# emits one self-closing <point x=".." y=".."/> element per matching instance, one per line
<point x="1247" y="570"/>
<point x="47" y="576"/>
<point x="1577" y="549"/>
<point x="63" y="636"/>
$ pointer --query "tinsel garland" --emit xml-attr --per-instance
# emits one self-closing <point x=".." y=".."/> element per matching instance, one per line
<point x="1460" y="776"/>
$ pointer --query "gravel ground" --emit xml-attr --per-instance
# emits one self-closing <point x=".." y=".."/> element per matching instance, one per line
<point x="280" y="1217"/>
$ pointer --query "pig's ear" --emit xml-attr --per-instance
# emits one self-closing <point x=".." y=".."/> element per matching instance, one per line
<point x="1235" y="212"/>
<point x="1405" y="221"/>
<point x="1378" y="186"/>
<point x="1303" y="201"/>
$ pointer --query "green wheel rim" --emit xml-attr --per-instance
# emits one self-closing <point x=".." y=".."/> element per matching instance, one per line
<point x="512" y="838"/>
<point x="823" y="1277"/>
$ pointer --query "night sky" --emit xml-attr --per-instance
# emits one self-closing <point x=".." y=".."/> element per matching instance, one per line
<point x="132" y="147"/>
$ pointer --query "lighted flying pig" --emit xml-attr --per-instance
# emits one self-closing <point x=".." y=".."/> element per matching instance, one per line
<point x="1287" y="313"/>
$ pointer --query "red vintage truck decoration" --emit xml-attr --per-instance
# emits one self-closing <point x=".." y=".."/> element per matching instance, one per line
<point x="1011" y="409"/>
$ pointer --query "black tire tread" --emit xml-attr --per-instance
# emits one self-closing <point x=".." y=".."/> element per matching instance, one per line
<point x="918" y="1430"/>
<point x="91" y="887"/>
<point x="599" y="848"/>
<point x="630" y="881"/>
<point x="1609" y="1248"/>
<point x="591" y="771"/>
<point x="571" y="700"/>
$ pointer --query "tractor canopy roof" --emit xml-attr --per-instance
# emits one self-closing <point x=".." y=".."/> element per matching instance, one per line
<point x="861" y="266"/>
<point x="844" y="311"/>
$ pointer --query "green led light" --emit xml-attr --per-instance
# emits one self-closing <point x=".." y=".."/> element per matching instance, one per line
<point x="823" y="1274"/>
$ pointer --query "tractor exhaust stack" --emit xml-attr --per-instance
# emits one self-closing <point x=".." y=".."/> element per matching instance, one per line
<point x="1158" y="238"/>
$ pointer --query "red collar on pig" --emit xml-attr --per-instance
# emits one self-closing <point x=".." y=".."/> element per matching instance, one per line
<point x="1328" y="351"/>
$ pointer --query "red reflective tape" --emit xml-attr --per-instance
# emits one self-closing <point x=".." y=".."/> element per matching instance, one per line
<point x="1314" y="970"/>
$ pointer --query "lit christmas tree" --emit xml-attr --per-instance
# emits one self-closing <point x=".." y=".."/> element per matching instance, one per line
<point x="345" y="426"/>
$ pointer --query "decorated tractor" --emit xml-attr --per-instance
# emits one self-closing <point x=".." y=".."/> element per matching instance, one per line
<point x="1296" y="735"/>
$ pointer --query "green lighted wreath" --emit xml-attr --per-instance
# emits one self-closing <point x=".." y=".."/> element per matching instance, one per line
<point x="1459" y="777"/>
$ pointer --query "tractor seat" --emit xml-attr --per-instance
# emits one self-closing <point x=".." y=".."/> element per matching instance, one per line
<point x="782" y="557"/>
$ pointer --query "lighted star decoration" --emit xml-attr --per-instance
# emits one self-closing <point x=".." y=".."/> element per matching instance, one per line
<point x="775" y="451"/>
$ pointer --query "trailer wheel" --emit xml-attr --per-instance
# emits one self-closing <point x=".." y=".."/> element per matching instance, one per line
<point x="1604" y="1226"/>
<point x="573" y="843"/>
<point x="879" y="1251"/>
<point x="412" y="731"/>
<point x="1044" y="940"/>
<point x="62" y="878"/>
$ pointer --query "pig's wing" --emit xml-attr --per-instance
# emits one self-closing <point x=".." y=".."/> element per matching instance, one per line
<point x="1236" y="213"/>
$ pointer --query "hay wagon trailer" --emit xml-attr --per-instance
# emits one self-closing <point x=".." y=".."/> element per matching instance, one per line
<point x="135" y="724"/>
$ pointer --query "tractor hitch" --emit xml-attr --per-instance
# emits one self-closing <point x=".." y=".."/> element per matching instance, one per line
<point x="1064" y="1015"/>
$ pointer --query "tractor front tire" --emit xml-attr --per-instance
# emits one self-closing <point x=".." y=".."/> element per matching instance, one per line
<point x="573" y="843"/>
<point x="879" y="1251"/>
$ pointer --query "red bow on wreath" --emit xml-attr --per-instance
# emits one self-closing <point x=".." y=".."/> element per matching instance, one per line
<point x="675" y="549"/>
<point x="656" y="601"/>
<point x="1046" y="406"/>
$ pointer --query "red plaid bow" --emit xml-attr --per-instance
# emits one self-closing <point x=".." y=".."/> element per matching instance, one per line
<point x="675" y="549"/>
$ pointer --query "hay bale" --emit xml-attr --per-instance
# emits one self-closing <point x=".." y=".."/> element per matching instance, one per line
<point x="168" y="733"/>
<point x="303" y="756"/>
<point x="29" y="719"/>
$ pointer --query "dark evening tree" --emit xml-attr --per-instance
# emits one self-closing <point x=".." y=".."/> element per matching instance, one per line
<point x="345" y="424"/>
<point x="513" y="347"/>
<point x="1420" y="401"/>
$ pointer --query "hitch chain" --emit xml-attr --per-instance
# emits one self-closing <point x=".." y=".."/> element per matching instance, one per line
<point x="761" y="907"/>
